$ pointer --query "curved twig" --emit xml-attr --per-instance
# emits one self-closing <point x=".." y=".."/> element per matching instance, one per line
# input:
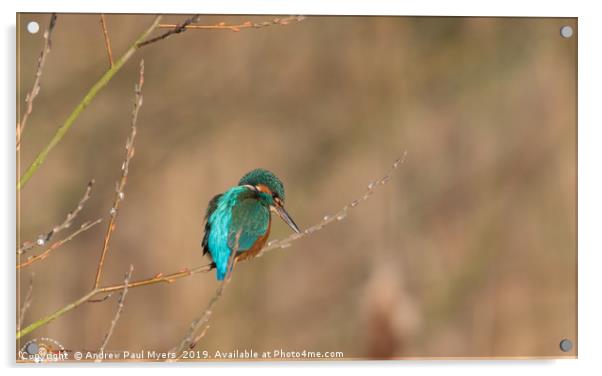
<point x="54" y="246"/>
<point x="175" y="29"/>
<point x="35" y="90"/>
<point x="42" y="239"/>
<point x="119" y="194"/>
<point x="105" y="32"/>
<point x="338" y="216"/>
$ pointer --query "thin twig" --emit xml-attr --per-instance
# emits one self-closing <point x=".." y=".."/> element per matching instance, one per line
<point x="126" y="281"/>
<point x="90" y="95"/>
<point x="26" y="303"/>
<point x="42" y="239"/>
<point x="191" y="337"/>
<point x="158" y="278"/>
<point x="104" y="297"/>
<point x="175" y="29"/>
<point x="238" y="27"/>
<point x="200" y="336"/>
<point x="35" y="90"/>
<point x="119" y="194"/>
<point x="338" y="216"/>
<point x="105" y="32"/>
<point x="54" y="246"/>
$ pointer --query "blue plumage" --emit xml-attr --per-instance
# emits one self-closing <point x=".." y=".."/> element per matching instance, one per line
<point x="243" y="211"/>
<point x="221" y="239"/>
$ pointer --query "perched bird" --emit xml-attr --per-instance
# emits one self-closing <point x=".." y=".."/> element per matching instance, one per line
<point x="243" y="212"/>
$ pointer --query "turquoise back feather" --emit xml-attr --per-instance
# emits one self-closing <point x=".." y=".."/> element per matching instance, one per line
<point x="238" y="210"/>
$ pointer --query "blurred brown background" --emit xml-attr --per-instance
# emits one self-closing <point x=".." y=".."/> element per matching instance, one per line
<point x="470" y="250"/>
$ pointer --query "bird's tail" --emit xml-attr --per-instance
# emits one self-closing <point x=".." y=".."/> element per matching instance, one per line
<point x="221" y="274"/>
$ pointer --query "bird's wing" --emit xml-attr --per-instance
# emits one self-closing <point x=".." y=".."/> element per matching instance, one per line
<point x="251" y="219"/>
<point x="210" y="209"/>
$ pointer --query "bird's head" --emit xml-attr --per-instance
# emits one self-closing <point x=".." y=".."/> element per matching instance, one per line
<point x="270" y="190"/>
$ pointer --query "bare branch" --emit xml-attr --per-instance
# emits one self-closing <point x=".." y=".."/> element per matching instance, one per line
<point x="176" y="29"/>
<point x="35" y="90"/>
<point x="238" y="27"/>
<point x="26" y="303"/>
<point x="126" y="282"/>
<point x="338" y="216"/>
<point x="105" y="32"/>
<point x="106" y="296"/>
<point x="42" y="239"/>
<point x="119" y="193"/>
<point x="160" y="278"/>
<point x="199" y="337"/>
<point x="46" y="253"/>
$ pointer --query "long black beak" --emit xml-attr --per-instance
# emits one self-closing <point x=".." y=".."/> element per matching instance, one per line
<point x="287" y="218"/>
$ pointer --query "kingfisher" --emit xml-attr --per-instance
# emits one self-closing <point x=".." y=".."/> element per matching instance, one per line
<point x="242" y="215"/>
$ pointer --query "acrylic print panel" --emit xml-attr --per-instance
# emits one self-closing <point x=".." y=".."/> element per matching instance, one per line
<point x="466" y="249"/>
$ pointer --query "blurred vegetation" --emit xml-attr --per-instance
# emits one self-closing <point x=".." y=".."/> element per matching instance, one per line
<point x="470" y="250"/>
